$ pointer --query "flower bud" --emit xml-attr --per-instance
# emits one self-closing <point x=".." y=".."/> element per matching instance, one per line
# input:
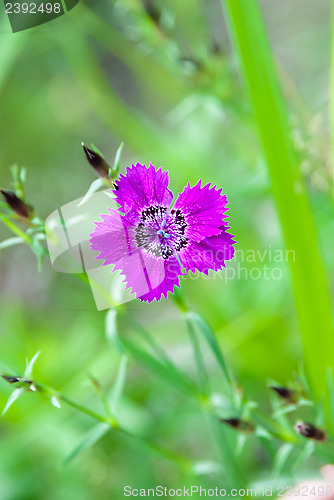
<point x="10" y="379"/>
<point x="99" y="164"/>
<point x="283" y="392"/>
<point x="16" y="204"/>
<point x="152" y="11"/>
<point x="309" y="431"/>
<point x="237" y="423"/>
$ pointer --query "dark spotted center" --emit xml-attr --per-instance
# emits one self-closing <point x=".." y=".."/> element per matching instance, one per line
<point x="161" y="232"/>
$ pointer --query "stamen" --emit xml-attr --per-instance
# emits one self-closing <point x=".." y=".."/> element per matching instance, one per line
<point x="171" y="232"/>
<point x="163" y="233"/>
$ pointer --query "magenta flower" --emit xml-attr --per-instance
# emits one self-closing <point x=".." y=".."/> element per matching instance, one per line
<point x="153" y="243"/>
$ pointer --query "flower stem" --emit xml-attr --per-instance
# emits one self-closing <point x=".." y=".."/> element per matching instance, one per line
<point x="16" y="230"/>
<point x="83" y="409"/>
<point x="147" y="337"/>
<point x="309" y="279"/>
<point x="198" y="356"/>
<point x="170" y="455"/>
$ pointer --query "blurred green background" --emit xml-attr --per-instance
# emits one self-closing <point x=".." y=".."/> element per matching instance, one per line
<point x="162" y="77"/>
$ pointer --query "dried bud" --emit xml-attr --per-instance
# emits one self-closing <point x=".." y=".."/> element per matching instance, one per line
<point x="237" y="423"/>
<point x="283" y="392"/>
<point x="152" y="11"/>
<point x="309" y="431"/>
<point x="16" y="204"/>
<point x="99" y="164"/>
<point x="14" y="380"/>
<point x="10" y="379"/>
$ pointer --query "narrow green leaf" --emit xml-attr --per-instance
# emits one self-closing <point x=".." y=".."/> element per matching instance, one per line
<point x="224" y="440"/>
<point x="12" y="398"/>
<point x="90" y="438"/>
<point x="19" y="179"/>
<point x="55" y="402"/>
<point x="306" y="451"/>
<point x="179" y="460"/>
<point x="23" y="175"/>
<point x="96" y="150"/>
<point x="330" y="400"/>
<point x="282" y="457"/>
<point x="266" y="440"/>
<point x="283" y="410"/>
<point x="203" y="376"/>
<point x="112" y="330"/>
<point x="118" y="387"/>
<point x="168" y="372"/>
<point x="117" y="161"/>
<point x="272" y="427"/>
<point x="30" y="365"/>
<point x="209" y="336"/>
<point x="95" y="186"/>
<point x="10" y="242"/>
<point x="241" y="441"/>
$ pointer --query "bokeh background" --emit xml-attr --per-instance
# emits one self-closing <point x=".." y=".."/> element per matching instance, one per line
<point x="162" y="77"/>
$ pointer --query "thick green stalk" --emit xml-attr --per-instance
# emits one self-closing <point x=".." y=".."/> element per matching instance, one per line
<point x="332" y="92"/>
<point x="308" y="274"/>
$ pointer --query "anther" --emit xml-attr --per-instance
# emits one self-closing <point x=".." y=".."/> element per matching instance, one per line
<point x="163" y="233"/>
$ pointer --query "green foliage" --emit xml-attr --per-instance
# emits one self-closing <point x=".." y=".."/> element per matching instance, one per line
<point x="308" y="273"/>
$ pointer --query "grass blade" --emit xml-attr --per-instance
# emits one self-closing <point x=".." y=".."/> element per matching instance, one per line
<point x="10" y="242"/>
<point x="12" y="398"/>
<point x="112" y="330"/>
<point x="168" y="372"/>
<point x="117" y="390"/>
<point x="308" y="274"/>
<point x="91" y="437"/>
<point x="209" y="336"/>
<point x="30" y="365"/>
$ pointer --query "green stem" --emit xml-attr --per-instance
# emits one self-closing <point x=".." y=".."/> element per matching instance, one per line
<point x="16" y="230"/>
<point x="332" y="90"/>
<point x="310" y="285"/>
<point x="83" y="409"/>
<point x="102" y="396"/>
<point x="87" y="411"/>
<point x="177" y="459"/>
<point x="203" y="376"/>
<point x="273" y="427"/>
<point x="147" y="337"/>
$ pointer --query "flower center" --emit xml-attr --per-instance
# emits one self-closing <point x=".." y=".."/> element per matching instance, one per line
<point x="161" y="232"/>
